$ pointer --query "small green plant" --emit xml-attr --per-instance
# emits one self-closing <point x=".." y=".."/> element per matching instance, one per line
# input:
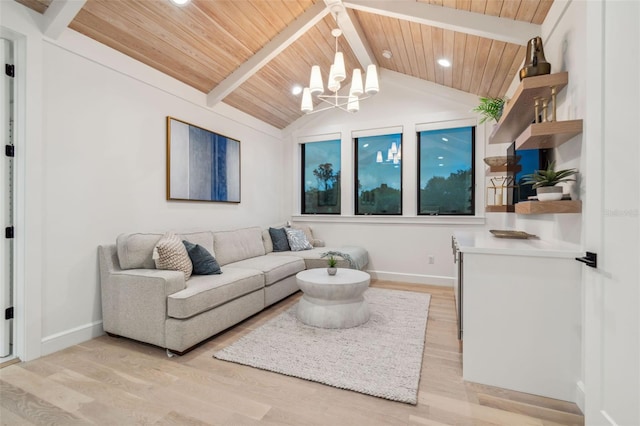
<point x="549" y="177"/>
<point x="490" y="108"/>
<point x="332" y="262"/>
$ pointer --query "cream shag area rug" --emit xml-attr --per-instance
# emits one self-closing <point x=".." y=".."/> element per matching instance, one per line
<point x="382" y="358"/>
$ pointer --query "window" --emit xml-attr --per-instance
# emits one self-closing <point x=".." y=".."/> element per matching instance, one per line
<point x="321" y="177"/>
<point x="446" y="171"/>
<point x="378" y="174"/>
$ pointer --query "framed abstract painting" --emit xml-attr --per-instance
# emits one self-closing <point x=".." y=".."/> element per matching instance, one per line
<point x="201" y="165"/>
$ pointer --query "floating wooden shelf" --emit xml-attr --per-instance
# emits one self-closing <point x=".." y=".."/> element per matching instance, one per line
<point x="543" y="207"/>
<point x="500" y="209"/>
<point x="549" y="134"/>
<point x="519" y="111"/>
<point x="506" y="169"/>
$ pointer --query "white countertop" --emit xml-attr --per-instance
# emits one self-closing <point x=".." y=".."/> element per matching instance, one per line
<point x="485" y="242"/>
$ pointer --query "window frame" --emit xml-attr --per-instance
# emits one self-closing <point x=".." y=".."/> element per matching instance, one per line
<point x="385" y="132"/>
<point x="444" y="127"/>
<point x="302" y="177"/>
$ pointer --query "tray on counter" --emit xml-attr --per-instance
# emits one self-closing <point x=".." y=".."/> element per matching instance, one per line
<point x="501" y="233"/>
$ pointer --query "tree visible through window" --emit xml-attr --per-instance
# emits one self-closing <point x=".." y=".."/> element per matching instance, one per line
<point x="446" y="171"/>
<point x="378" y="175"/>
<point x="321" y="177"/>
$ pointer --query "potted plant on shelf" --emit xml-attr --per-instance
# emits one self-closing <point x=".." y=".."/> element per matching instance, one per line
<point x="490" y="108"/>
<point x="545" y="181"/>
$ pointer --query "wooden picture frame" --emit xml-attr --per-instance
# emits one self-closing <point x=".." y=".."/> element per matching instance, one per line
<point x="201" y="165"/>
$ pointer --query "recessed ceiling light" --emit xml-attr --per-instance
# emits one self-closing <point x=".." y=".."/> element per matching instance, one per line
<point x="440" y="158"/>
<point x="445" y="139"/>
<point x="180" y="2"/>
<point x="387" y="54"/>
<point x="365" y="145"/>
<point x="440" y="164"/>
<point x="444" y="62"/>
<point x="296" y="89"/>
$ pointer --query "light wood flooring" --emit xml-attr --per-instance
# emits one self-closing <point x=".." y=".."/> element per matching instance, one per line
<point x="111" y="381"/>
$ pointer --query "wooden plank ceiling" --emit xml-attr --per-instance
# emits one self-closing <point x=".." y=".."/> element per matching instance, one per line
<point x="204" y="42"/>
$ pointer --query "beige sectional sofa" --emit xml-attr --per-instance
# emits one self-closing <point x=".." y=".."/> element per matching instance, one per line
<point x="160" y="307"/>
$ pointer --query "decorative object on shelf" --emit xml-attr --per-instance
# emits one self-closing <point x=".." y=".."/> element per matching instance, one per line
<point x="521" y="235"/>
<point x="545" y="181"/>
<point x="535" y="62"/>
<point x="490" y="108"/>
<point x="501" y="160"/>
<point x="498" y="186"/>
<point x="337" y="75"/>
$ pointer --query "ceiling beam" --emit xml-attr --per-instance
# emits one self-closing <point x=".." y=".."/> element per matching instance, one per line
<point x="352" y="32"/>
<point x="492" y="27"/>
<point x="280" y="42"/>
<point x="59" y="15"/>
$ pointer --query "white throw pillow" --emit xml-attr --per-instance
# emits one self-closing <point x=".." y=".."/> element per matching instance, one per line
<point x="171" y="254"/>
<point x="297" y="240"/>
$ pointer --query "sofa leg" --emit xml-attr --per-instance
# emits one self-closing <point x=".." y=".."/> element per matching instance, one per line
<point x="170" y="354"/>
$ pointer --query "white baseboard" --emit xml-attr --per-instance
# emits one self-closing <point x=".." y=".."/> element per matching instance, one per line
<point x="580" y="395"/>
<point x="62" y="340"/>
<point x="412" y="278"/>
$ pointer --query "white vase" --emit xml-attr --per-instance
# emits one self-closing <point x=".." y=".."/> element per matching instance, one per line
<point x="332" y="271"/>
<point x="549" y="193"/>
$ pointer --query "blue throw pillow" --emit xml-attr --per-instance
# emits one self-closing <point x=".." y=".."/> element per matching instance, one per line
<point x="203" y="262"/>
<point x="279" y="239"/>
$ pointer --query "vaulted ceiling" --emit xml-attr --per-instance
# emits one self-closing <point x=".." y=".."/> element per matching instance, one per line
<point x="250" y="53"/>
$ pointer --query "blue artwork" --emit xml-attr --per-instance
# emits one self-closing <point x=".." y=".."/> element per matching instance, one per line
<point x="202" y="165"/>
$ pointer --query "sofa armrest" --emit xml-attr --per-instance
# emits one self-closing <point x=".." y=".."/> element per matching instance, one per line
<point x="134" y="301"/>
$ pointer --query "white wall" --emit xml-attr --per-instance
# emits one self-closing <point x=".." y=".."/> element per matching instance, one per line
<point x="564" y="41"/>
<point x="99" y="169"/>
<point x="398" y="246"/>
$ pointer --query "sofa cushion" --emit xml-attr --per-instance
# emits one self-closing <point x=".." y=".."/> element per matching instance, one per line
<point x="205" y="292"/>
<point x="274" y="268"/>
<point x="203" y="262"/>
<point x="266" y="240"/>
<point x="297" y="240"/>
<point x="313" y="259"/>
<point x="279" y="239"/>
<point x="171" y="254"/>
<point x="203" y="238"/>
<point x="135" y="251"/>
<point x="240" y="244"/>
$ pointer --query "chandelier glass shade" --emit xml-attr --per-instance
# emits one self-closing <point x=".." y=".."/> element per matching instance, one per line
<point x="394" y="154"/>
<point x="337" y="74"/>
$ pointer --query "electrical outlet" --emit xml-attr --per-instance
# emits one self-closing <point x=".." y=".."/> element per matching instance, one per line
<point x="432" y="259"/>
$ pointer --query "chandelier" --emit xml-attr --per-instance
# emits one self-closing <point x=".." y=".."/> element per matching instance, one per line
<point x="394" y="154"/>
<point x="337" y="75"/>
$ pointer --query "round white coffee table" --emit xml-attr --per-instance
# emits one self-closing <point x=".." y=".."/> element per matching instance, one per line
<point x="333" y="301"/>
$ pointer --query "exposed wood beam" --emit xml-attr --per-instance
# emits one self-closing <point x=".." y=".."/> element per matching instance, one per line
<point x="284" y="39"/>
<point x="492" y="27"/>
<point x="59" y="15"/>
<point x="352" y="32"/>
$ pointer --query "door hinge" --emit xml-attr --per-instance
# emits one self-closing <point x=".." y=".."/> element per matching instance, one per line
<point x="8" y="313"/>
<point x="10" y="150"/>
<point x="9" y="232"/>
<point x="10" y="70"/>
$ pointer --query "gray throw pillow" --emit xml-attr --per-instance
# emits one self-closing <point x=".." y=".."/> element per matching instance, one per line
<point x="297" y="240"/>
<point x="279" y="239"/>
<point x="203" y="262"/>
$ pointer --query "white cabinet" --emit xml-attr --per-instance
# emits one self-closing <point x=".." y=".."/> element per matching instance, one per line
<point x="521" y="314"/>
